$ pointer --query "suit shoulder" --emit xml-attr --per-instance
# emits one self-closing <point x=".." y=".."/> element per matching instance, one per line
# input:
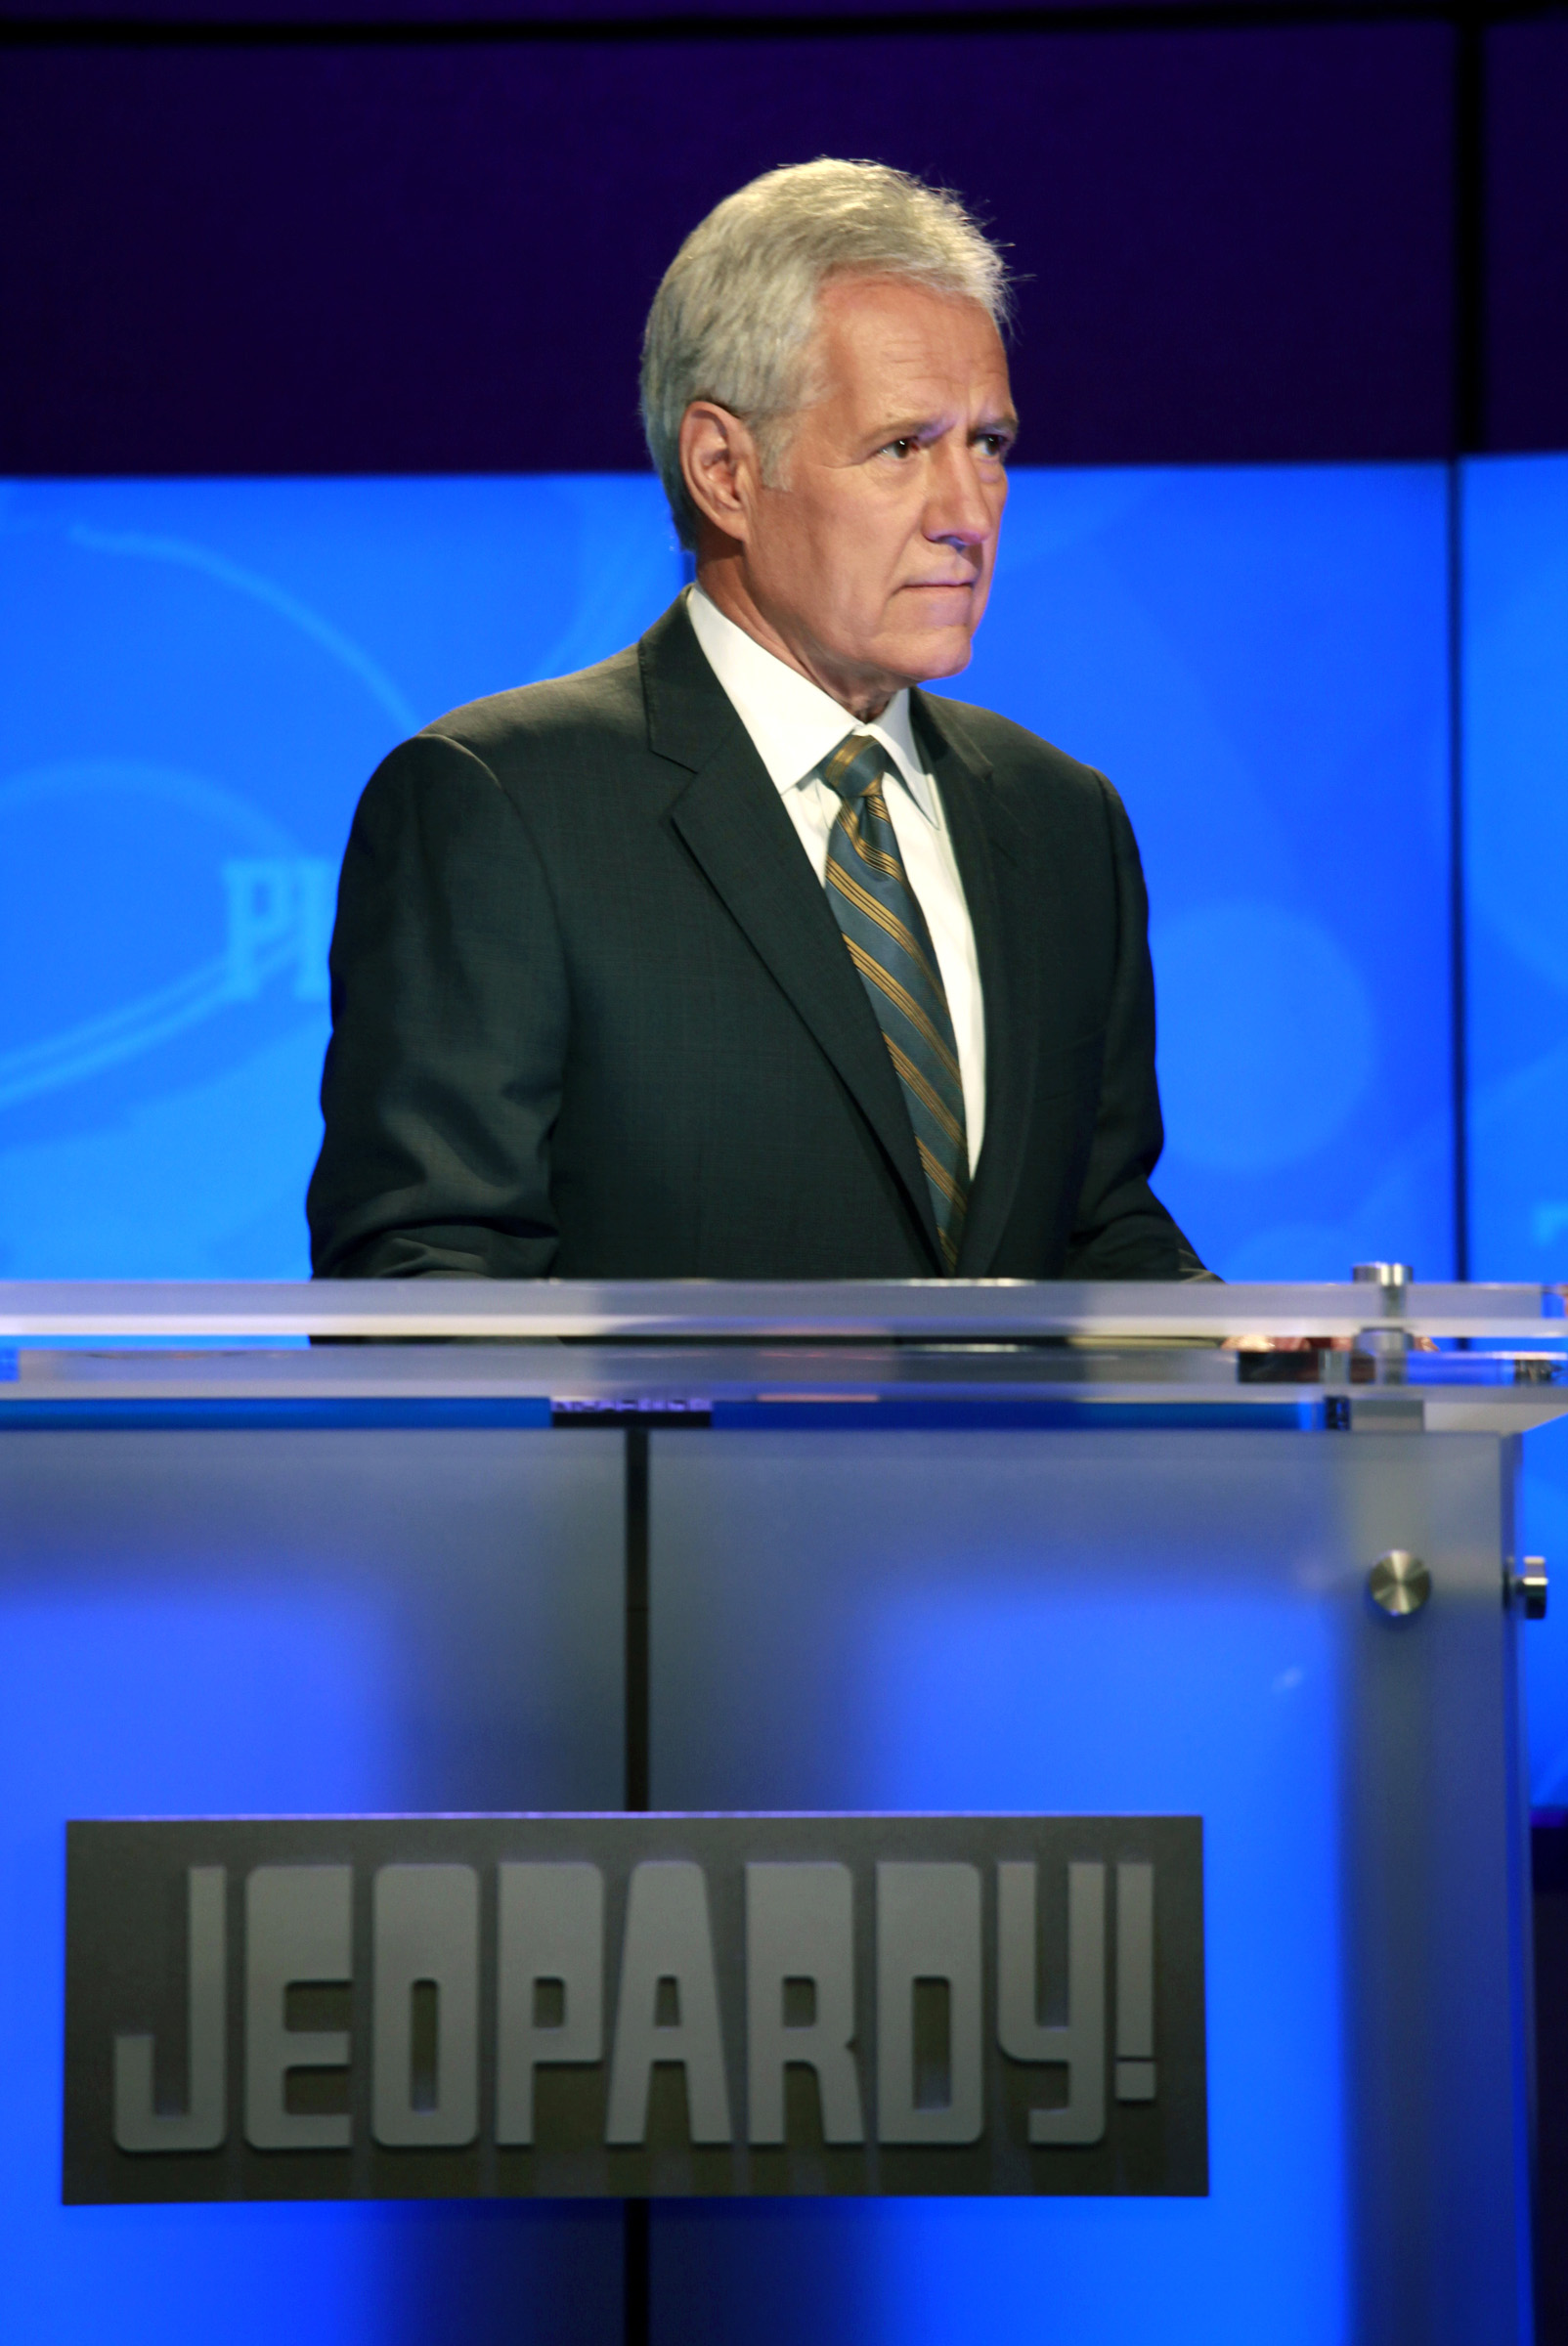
<point x="597" y="710"/>
<point x="1012" y="751"/>
<point x="1051" y="793"/>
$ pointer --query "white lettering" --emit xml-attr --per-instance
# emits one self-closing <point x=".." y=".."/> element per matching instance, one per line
<point x="668" y="1943"/>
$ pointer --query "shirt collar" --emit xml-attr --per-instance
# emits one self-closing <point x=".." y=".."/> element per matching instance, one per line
<point x="793" y="723"/>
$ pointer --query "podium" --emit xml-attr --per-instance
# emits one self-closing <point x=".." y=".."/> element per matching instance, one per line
<point x="928" y="1551"/>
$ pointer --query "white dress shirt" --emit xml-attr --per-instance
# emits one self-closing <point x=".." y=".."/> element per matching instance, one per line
<point x="793" y="725"/>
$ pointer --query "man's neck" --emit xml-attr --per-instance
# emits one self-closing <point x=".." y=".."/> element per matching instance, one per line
<point x="726" y="589"/>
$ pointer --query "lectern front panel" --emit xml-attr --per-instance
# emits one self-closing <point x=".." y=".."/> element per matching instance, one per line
<point x="263" y="1620"/>
<point x="1162" y="1622"/>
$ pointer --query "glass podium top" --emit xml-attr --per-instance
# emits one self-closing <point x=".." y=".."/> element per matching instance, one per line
<point x="854" y="1311"/>
<point x="1380" y="1352"/>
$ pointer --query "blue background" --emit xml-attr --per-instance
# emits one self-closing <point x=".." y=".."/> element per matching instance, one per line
<point x="202" y="674"/>
<point x="1515" y="580"/>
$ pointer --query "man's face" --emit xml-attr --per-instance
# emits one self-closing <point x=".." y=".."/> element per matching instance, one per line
<point x="870" y="561"/>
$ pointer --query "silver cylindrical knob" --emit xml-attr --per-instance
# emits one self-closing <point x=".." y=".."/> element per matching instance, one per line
<point x="1527" y="1588"/>
<point x="1398" y="1582"/>
<point x="1393" y="1282"/>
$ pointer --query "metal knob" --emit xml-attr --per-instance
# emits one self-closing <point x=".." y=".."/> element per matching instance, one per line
<point x="1398" y="1582"/>
<point x="1386" y="1345"/>
<point x="1526" y="1587"/>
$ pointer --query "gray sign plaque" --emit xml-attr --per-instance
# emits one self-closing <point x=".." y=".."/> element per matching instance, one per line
<point x="567" y="2005"/>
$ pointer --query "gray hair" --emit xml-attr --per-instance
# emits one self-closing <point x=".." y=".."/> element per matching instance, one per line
<point x="733" y="318"/>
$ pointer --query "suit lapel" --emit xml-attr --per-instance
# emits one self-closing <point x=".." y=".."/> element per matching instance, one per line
<point x="987" y="844"/>
<point x="731" y="818"/>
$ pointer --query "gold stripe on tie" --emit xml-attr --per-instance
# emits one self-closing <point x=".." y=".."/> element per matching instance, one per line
<point x="942" y="1179"/>
<point x="876" y="857"/>
<point x="901" y="999"/>
<point x="864" y="901"/>
<point x="842" y="757"/>
<point x="930" y="1097"/>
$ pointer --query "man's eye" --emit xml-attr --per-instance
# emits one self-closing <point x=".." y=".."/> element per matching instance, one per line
<point x="994" y="443"/>
<point x="901" y="448"/>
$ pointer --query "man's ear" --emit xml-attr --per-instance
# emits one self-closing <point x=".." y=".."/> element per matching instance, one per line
<point x="720" y="465"/>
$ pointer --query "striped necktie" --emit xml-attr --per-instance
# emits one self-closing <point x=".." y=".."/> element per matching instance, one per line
<point x="891" y="947"/>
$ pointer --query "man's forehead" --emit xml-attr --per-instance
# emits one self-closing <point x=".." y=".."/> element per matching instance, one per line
<point x="885" y="314"/>
<point x="881" y="344"/>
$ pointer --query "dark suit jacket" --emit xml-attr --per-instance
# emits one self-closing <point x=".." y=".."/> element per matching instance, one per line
<point x="592" y="1016"/>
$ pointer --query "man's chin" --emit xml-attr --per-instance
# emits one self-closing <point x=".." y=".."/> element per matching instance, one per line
<point x="937" y="652"/>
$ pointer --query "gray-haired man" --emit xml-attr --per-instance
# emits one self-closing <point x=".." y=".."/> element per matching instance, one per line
<point x="739" y="956"/>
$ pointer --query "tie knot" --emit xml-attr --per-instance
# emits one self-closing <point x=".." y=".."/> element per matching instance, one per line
<point x="852" y="768"/>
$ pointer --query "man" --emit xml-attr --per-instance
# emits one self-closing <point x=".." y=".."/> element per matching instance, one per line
<point x="739" y="956"/>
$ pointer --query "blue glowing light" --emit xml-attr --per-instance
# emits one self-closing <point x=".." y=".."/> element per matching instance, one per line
<point x="1517" y="856"/>
<point x="199" y="677"/>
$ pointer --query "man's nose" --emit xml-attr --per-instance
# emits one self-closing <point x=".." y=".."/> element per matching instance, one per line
<point x="958" y="512"/>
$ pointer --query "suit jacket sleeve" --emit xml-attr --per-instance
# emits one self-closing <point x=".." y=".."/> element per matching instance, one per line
<point x="1120" y="1230"/>
<point x="443" y="1073"/>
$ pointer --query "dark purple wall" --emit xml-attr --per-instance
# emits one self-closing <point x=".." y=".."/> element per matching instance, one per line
<point x="572" y="15"/>
<point x="1527" y="235"/>
<point x="434" y="254"/>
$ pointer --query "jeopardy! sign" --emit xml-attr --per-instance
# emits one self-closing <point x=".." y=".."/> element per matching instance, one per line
<point x="551" y="2006"/>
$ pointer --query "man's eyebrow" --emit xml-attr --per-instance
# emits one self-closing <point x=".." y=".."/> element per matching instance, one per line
<point x="922" y="427"/>
<point x="906" y="427"/>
